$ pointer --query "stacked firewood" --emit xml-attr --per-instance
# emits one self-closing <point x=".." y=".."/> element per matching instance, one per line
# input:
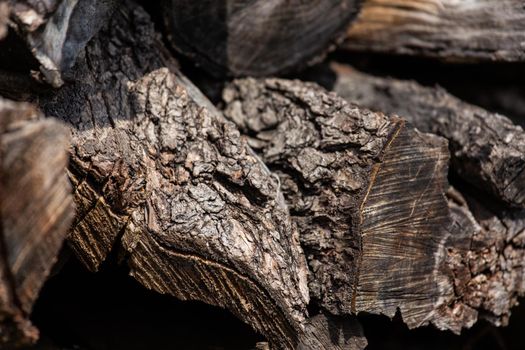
<point x="292" y="206"/>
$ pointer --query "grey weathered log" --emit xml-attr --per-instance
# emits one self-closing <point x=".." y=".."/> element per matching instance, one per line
<point x="161" y="177"/>
<point x="487" y="149"/>
<point x="378" y="233"/>
<point x="478" y="30"/>
<point x="57" y="30"/>
<point x="262" y="37"/>
<point x="36" y="208"/>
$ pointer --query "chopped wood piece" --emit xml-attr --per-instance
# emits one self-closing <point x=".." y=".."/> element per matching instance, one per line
<point x="487" y="149"/>
<point x="57" y="30"/>
<point x="262" y="37"/>
<point x="36" y="208"/>
<point x="162" y="176"/>
<point x="476" y="30"/>
<point x="366" y="191"/>
<point x="4" y="18"/>
<point x="485" y="251"/>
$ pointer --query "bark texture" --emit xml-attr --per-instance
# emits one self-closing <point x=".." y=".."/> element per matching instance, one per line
<point x="160" y="175"/>
<point x="487" y="149"/>
<point x="57" y="30"/>
<point x="366" y="191"/>
<point x="262" y="37"/>
<point x="36" y="208"/>
<point x="477" y="30"/>
<point x="389" y="241"/>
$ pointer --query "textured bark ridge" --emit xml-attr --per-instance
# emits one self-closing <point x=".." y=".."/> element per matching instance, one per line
<point x="487" y="149"/>
<point x="261" y="37"/>
<point x="476" y="30"/>
<point x="162" y="176"/>
<point x="485" y="250"/>
<point x="57" y="30"/>
<point x="36" y="208"/>
<point x="366" y="191"/>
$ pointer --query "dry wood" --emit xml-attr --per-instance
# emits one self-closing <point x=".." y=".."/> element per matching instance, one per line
<point x="57" y="30"/>
<point x="487" y="149"/>
<point x="36" y="208"/>
<point x="261" y="37"/>
<point x="475" y="30"/>
<point x="366" y="191"/>
<point x="160" y="175"/>
<point x="371" y="212"/>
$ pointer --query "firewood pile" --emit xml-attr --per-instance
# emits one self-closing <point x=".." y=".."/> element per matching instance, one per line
<point x="236" y="153"/>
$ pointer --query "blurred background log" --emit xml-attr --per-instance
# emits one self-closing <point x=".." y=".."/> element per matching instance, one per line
<point x="477" y="30"/>
<point x="36" y="209"/>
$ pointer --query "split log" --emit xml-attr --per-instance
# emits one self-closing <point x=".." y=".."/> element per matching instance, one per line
<point x="485" y="251"/>
<point x="366" y="191"/>
<point x="478" y="30"/>
<point x="371" y="212"/>
<point x="36" y="208"/>
<point x="4" y="19"/>
<point x="161" y="177"/>
<point x="263" y="37"/>
<point x="57" y="30"/>
<point x="487" y="149"/>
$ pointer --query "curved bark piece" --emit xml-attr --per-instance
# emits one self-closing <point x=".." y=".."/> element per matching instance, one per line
<point x="161" y="175"/>
<point x="367" y="193"/>
<point x="262" y="37"/>
<point x="487" y="149"/>
<point x="478" y="30"/>
<point x="57" y="30"/>
<point x="36" y="208"/>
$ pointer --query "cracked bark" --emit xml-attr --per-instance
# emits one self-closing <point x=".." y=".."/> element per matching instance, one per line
<point x="215" y="35"/>
<point x="36" y="208"/>
<point x="487" y="149"/>
<point x="373" y="243"/>
<point x="479" y="30"/>
<point x="56" y="31"/>
<point x="162" y="177"/>
<point x="387" y="239"/>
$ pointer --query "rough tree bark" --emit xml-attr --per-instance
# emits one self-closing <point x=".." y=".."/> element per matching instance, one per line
<point x="487" y="149"/>
<point x="367" y="194"/>
<point x="36" y="208"/>
<point x="488" y="30"/>
<point x="262" y="37"/>
<point x="162" y="177"/>
<point x="57" y="30"/>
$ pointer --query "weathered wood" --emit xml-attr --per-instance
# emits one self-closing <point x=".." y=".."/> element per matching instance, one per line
<point x="162" y="177"/>
<point x="487" y="149"/>
<point x="4" y="18"/>
<point x="263" y="37"/>
<point x="485" y="250"/>
<point x="367" y="193"/>
<point x="36" y="208"/>
<point x="57" y="30"/>
<point x="477" y="30"/>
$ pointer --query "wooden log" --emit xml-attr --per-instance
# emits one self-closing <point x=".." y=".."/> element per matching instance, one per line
<point x="487" y="149"/>
<point x="36" y="208"/>
<point x="57" y="30"/>
<point x="161" y="177"/>
<point x="263" y="37"/>
<point x="478" y="30"/>
<point x="367" y="193"/>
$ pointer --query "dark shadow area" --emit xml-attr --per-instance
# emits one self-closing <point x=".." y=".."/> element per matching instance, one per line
<point x="383" y="334"/>
<point x="111" y="311"/>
